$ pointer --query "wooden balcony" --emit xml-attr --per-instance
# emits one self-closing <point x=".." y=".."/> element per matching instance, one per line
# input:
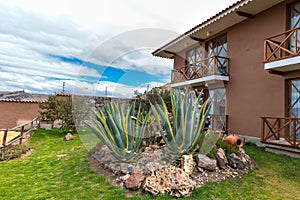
<point x="281" y="131"/>
<point x="215" y="65"/>
<point x="282" y="51"/>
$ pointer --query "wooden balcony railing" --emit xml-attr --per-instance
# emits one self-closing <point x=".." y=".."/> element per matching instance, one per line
<point x="283" y="45"/>
<point x="215" y="65"/>
<point x="274" y="129"/>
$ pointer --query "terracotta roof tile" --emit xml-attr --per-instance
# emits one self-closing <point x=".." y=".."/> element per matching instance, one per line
<point x="62" y="94"/>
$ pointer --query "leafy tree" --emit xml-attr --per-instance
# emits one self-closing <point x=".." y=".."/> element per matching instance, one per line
<point x="48" y="109"/>
<point x="58" y="109"/>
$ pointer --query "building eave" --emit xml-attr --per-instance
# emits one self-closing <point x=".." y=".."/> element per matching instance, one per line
<point x="234" y="14"/>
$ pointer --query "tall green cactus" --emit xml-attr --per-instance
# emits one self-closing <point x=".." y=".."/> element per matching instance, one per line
<point x="184" y="131"/>
<point x="120" y="130"/>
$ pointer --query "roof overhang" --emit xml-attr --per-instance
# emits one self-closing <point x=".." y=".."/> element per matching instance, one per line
<point x="234" y="14"/>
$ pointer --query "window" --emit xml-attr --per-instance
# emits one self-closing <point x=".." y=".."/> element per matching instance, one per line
<point x="218" y="109"/>
<point x="193" y="59"/>
<point x="294" y="23"/>
<point x="295" y="15"/>
<point x="294" y="103"/>
<point x="217" y="55"/>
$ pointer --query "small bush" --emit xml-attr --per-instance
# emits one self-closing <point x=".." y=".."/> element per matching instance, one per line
<point x="13" y="152"/>
<point x="225" y="146"/>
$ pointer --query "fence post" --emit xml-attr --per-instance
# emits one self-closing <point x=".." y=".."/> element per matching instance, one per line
<point x="262" y="130"/>
<point x="21" y="134"/>
<point x="4" y="138"/>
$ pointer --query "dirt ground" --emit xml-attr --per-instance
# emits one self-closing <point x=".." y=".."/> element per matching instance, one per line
<point x="10" y="136"/>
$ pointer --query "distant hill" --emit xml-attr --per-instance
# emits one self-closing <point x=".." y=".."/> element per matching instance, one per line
<point x="22" y="95"/>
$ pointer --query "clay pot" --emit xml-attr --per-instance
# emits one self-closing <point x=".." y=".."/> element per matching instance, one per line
<point x="234" y="140"/>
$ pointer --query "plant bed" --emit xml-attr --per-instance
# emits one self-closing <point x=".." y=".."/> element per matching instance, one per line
<point x="167" y="166"/>
<point x="150" y="166"/>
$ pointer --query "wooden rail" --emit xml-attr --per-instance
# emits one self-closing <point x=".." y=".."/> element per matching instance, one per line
<point x="275" y="128"/>
<point x="18" y="133"/>
<point x="283" y="45"/>
<point x="215" y="65"/>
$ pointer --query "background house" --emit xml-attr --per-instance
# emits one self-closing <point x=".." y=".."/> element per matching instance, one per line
<point x="18" y="108"/>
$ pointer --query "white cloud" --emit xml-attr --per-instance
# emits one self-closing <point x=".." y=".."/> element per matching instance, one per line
<point x="31" y="30"/>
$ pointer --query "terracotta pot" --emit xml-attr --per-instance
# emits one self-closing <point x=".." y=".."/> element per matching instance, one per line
<point x="234" y="140"/>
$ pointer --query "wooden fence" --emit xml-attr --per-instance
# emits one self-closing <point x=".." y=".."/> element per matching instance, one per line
<point x="18" y="133"/>
<point x="276" y="128"/>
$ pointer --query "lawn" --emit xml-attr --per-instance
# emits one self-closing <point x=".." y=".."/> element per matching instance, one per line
<point x="58" y="169"/>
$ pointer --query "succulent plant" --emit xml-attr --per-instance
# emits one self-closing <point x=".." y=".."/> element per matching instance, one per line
<point x="183" y="132"/>
<point x="120" y="130"/>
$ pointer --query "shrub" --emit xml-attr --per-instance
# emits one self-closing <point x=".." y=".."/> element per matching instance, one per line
<point x="58" y="109"/>
<point x="228" y="149"/>
<point x="13" y="152"/>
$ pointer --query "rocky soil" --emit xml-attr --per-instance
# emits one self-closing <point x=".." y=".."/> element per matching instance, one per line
<point x="154" y="175"/>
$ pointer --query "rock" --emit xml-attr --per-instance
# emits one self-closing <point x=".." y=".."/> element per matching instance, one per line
<point x="187" y="163"/>
<point x="150" y="167"/>
<point x="125" y="177"/>
<point x="200" y="169"/>
<point x="247" y="160"/>
<point x="124" y="168"/>
<point x="205" y="162"/>
<point x="170" y="180"/>
<point x="104" y="155"/>
<point x="221" y="158"/>
<point x="134" y="182"/>
<point x="137" y="170"/>
<point x="236" y="162"/>
<point x="68" y="137"/>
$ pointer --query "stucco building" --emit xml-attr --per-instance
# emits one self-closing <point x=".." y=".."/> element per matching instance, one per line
<point x="247" y="57"/>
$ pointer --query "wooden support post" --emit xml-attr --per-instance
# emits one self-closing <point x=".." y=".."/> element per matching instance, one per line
<point x="4" y="138"/>
<point x="21" y="134"/>
<point x="262" y="130"/>
<point x="294" y="133"/>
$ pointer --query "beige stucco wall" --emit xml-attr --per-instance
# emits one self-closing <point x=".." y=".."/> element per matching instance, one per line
<point x="16" y="113"/>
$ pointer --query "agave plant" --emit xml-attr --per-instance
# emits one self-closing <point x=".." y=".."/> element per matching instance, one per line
<point x="183" y="132"/>
<point x="120" y="130"/>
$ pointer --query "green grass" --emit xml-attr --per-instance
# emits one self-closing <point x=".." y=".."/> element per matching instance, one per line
<point x="58" y="170"/>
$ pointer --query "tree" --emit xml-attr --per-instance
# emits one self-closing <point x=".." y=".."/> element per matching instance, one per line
<point x="58" y="109"/>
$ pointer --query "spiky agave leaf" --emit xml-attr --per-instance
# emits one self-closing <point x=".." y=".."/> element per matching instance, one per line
<point x="183" y="136"/>
<point x="117" y="128"/>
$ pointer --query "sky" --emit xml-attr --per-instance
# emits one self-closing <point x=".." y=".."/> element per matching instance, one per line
<point x="94" y="47"/>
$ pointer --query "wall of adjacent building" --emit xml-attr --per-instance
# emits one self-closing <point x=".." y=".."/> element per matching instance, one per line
<point x="16" y="113"/>
<point x="253" y="92"/>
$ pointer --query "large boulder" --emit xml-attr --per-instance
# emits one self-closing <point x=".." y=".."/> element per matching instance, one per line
<point x="170" y="180"/>
<point x="205" y="162"/>
<point x="221" y="158"/>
